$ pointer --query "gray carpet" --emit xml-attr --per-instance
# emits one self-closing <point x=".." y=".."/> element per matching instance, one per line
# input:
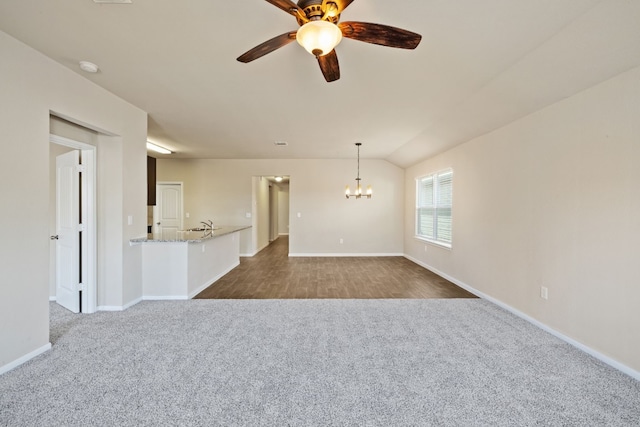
<point x="312" y="362"/>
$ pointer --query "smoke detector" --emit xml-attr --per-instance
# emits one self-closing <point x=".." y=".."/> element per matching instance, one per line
<point x="89" y="67"/>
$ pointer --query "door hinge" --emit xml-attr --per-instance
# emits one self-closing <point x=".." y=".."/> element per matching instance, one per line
<point x="81" y="168"/>
<point x="81" y="227"/>
<point x="82" y="287"/>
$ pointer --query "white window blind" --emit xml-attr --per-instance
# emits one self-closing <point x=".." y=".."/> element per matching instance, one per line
<point x="433" y="211"/>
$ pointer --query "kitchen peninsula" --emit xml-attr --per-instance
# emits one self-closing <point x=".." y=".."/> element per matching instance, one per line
<point x="178" y="265"/>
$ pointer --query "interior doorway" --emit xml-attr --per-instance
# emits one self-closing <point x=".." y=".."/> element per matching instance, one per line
<point x="74" y="247"/>
<point x="270" y="209"/>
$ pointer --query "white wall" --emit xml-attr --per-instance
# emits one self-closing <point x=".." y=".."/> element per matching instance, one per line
<point x="222" y="189"/>
<point x="552" y="200"/>
<point x="283" y="209"/>
<point x="261" y="213"/>
<point x="274" y="193"/>
<point x="33" y="87"/>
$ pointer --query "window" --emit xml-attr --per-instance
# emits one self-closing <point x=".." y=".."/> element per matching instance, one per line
<point x="433" y="207"/>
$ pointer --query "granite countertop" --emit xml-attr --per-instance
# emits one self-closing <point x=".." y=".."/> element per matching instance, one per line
<point x="188" y="236"/>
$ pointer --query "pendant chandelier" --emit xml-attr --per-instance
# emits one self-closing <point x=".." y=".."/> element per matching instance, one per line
<point x="358" y="192"/>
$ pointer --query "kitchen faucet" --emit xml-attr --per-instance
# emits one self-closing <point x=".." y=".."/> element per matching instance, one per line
<point x="207" y="224"/>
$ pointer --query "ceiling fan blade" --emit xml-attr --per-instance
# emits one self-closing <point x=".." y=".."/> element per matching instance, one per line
<point x="383" y="35"/>
<point x="288" y="6"/>
<point x="268" y="47"/>
<point x="329" y="66"/>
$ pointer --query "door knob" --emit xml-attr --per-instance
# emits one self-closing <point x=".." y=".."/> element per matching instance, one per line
<point x="54" y="237"/>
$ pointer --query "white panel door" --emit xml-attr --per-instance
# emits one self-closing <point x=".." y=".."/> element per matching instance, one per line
<point x="169" y="201"/>
<point x="68" y="230"/>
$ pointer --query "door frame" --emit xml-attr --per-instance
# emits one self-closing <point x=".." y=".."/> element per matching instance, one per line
<point x="88" y="220"/>
<point x="272" y="211"/>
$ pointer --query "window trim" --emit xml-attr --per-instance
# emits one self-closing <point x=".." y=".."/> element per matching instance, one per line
<point x="436" y="241"/>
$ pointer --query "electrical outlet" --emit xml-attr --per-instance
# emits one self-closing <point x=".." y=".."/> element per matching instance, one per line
<point x="425" y="248"/>
<point x="544" y="292"/>
<point x="187" y="215"/>
<point x="341" y="241"/>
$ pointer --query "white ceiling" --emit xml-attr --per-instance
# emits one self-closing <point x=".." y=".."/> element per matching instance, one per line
<point x="481" y="65"/>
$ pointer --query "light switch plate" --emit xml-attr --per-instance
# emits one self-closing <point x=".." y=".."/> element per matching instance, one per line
<point x="544" y="292"/>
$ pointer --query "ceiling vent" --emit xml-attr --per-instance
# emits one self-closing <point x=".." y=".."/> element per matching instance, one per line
<point x="281" y="143"/>
<point x="113" y="1"/>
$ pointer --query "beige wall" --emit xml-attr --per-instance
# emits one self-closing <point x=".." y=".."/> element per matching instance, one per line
<point x="222" y="189"/>
<point x="552" y="200"/>
<point x="283" y="209"/>
<point x="33" y="87"/>
<point x="261" y="214"/>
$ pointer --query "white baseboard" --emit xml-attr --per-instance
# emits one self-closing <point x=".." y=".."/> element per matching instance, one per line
<point x="119" y="307"/>
<point x="603" y="358"/>
<point x="249" y="255"/>
<point x="110" y="308"/>
<point x="19" y="361"/>
<point x="283" y="234"/>
<point x="165" y="298"/>
<point x="212" y="281"/>
<point x="132" y="303"/>
<point x="200" y="288"/>
<point x="344" y="255"/>
<point x="52" y="298"/>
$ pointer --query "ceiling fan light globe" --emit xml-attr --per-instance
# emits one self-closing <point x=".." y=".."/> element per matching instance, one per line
<point x="319" y="37"/>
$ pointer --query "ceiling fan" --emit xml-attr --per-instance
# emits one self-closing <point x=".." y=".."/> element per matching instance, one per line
<point x="320" y="31"/>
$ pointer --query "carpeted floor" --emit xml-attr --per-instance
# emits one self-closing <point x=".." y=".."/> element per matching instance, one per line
<point x="460" y="362"/>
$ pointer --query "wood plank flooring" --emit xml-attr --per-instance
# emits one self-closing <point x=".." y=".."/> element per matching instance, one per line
<point x="271" y="274"/>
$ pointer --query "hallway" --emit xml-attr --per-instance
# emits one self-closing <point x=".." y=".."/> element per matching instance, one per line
<point x="271" y="274"/>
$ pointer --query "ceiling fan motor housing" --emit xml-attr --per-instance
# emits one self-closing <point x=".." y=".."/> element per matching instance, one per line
<point x="313" y="11"/>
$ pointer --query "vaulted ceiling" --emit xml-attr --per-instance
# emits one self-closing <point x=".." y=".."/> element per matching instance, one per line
<point x="480" y="65"/>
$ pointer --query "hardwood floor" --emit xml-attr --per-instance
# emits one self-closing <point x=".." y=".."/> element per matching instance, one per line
<point x="271" y="274"/>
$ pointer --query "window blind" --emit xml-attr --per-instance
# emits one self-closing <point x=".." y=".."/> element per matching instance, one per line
<point x="434" y="207"/>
